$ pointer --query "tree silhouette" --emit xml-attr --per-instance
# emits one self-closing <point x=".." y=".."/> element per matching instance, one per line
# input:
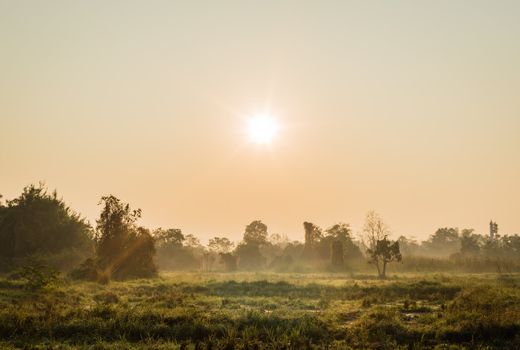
<point x="342" y="233"/>
<point x="39" y="223"/>
<point x="313" y="235"/>
<point x="383" y="253"/>
<point x="220" y="245"/>
<point x="123" y="249"/>
<point x="248" y="252"/>
<point x="444" y="242"/>
<point x="255" y="233"/>
<point x="374" y="230"/>
<point x="379" y="249"/>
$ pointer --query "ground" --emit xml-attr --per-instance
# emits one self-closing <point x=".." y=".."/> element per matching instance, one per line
<point x="265" y="311"/>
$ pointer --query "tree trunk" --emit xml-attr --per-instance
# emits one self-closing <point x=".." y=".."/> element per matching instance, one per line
<point x="383" y="274"/>
<point x="337" y="254"/>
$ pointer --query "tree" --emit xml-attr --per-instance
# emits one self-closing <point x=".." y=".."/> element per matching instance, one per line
<point x="337" y="254"/>
<point x="313" y="235"/>
<point x="220" y="245"/>
<point x="176" y="251"/>
<point x="511" y="245"/>
<point x="469" y="243"/>
<point x="374" y="230"/>
<point x="172" y="237"/>
<point x="123" y="249"/>
<point x="229" y="260"/>
<point x="250" y="257"/>
<point x="207" y="260"/>
<point x="444" y="242"/>
<point x="141" y="255"/>
<point x="408" y="246"/>
<point x="256" y="233"/>
<point x="383" y="253"/>
<point x="38" y="223"/>
<point x="279" y="240"/>
<point x="115" y="222"/>
<point x="248" y="252"/>
<point x="380" y="250"/>
<point x="191" y="241"/>
<point x="274" y="247"/>
<point x="341" y="232"/>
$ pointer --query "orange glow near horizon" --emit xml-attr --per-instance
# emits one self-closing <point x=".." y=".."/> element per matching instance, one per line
<point x="409" y="109"/>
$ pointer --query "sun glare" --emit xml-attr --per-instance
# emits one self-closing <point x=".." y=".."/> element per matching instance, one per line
<point x="262" y="128"/>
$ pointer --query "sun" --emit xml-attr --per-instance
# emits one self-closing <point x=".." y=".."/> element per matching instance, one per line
<point x="262" y="128"/>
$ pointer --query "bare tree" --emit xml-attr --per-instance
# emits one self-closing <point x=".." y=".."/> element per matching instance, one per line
<point x="380" y="250"/>
<point x="374" y="230"/>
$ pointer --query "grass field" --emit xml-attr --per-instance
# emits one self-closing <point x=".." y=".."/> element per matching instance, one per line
<point x="265" y="311"/>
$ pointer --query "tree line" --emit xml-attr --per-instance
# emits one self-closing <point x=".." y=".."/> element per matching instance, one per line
<point x="39" y="225"/>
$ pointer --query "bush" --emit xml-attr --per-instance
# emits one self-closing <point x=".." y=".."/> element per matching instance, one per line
<point x="36" y="276"/>
<point x="88" y="271"/>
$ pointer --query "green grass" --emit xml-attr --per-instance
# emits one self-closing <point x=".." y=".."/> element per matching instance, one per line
<point x="265" y="311"/>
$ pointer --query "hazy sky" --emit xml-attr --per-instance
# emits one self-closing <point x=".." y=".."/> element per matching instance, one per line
<point x="410" y="108"/>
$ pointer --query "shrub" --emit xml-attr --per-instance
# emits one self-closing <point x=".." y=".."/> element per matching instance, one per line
<point x="36" y="276"/>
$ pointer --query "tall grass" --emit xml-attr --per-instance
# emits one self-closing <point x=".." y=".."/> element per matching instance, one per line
<point x="264" y="311"/>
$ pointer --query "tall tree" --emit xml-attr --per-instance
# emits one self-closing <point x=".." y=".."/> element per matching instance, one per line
<point x="313" y="235"/>
<point x="123" y="249"/>
<point x="469" y="243"/>
<point x="374" y="230"/>
<point x="248" y="252"/>
<point x="342" y="232"/>
<point x="256" y="233"/>
<point x="380" y="250"/>
<point x="40" y="223"/>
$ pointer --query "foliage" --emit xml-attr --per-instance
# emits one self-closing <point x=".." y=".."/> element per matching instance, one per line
<point x="342" y="233"/>
<point x="248" y="251"/>
<point x="123" y="250"/>
<point x="444" y="242"/>
<point x="380" y="250"/>
<point x="168" y="238"/>
<point x="41" y="224"/>
<point x="255" y="233"/>
<point x="230" y="261"/>
<point x="176" y="251"/>
<point x="36" y="275"/>
<point x="383" y="253"/>
<point x="220" y="245"/>
<point x="249" y="257"/>
<point x="469" y="243"/>
<point x="87" y="270"/>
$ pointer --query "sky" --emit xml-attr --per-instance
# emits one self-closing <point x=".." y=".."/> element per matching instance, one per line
<point x="408" y="108"/>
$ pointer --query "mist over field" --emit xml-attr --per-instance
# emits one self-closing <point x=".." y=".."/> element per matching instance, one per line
<point x="117" y="284"/>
